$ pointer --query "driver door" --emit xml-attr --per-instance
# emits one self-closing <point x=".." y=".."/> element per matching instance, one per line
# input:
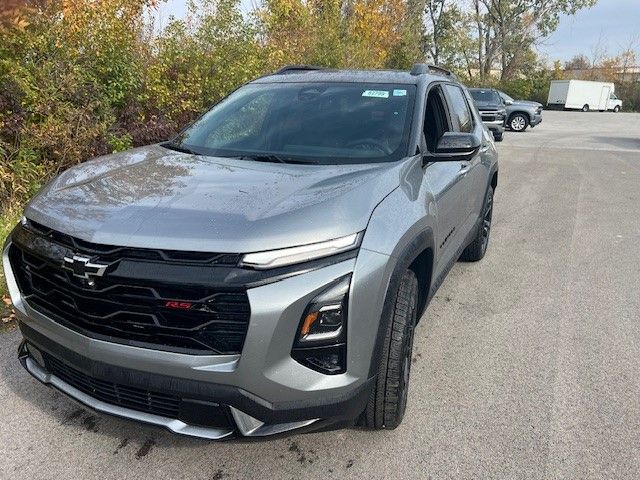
<point x="474" y="174"/>
<point x="445" y="181"/>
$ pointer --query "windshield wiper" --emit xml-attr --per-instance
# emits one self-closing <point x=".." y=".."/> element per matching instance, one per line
<point x="179" y="148"/>
<point x="270" y="157"/>
<point x="263" y="158"/>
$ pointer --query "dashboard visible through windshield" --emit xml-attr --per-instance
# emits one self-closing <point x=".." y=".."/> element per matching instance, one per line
<point x="323" y="123"/>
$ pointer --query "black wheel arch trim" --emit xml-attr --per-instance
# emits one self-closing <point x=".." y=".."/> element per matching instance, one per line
<point x="423" y="240"/>
<point x="492" y="171"/>
<point x="522" y="112"/>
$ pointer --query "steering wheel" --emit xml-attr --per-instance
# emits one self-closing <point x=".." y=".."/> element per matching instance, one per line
<point x="367" y="144"/>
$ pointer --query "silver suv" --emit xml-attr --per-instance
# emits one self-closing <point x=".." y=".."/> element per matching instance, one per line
<point x="264" y="271"/>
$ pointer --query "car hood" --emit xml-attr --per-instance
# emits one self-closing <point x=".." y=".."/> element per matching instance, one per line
<point x="157" y="198"/>
<point x="527" y="103"/>
<point x="488" y="106"/>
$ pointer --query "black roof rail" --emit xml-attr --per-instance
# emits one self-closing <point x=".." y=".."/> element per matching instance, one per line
<point x="421" y="68"/>
<point x="297" y="68"/>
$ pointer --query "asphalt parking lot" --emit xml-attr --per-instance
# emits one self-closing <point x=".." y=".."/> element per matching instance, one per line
<point x="526" y="364"/>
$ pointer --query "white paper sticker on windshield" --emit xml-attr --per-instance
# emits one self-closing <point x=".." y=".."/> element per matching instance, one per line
<point x="376" y="93"/>
<point x="399" y="93"/>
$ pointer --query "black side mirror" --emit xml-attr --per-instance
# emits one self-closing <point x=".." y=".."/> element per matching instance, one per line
<point x="456" y="146"/>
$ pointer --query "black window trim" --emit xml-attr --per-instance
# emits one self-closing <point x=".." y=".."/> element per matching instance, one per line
<point x="447" y="114"/>
<point x="466" y="100"/>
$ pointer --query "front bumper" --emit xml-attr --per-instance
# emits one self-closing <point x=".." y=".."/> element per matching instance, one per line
<point x="536" y="120"/>
<point x="496" y="126"/>
<point x="263" y="390"/>
<point x="194" y="417"/>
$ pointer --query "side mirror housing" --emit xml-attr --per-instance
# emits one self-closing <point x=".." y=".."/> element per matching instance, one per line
<point x="508" y="102"/>
<point x="455" y="147"/>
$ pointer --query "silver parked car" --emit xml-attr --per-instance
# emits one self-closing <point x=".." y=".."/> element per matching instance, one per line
<point x="264" y="271"/>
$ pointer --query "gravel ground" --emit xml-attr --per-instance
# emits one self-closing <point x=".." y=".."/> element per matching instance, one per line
<point x="526" y="365"/>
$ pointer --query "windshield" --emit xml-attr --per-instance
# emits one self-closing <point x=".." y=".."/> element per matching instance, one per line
<point x="327" y="123"/>
<point x="506" y="97"/>
<point x="485" y="96"/>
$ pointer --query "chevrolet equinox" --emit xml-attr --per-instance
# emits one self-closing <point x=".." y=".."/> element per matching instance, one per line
<point x="264" y="271"/>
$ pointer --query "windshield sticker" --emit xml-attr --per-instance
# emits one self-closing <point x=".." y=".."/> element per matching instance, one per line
<point x="399" y="93"/>
<point x="376" y="93"/>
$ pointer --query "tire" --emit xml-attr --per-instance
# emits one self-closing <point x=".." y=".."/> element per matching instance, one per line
<point x="478" y="247"/>
<point x="616" y="109"/>
<point x="498" y="137"/>
<point x="518" y="122"/>
<point x="585" y="108"/>
<point x="388" y="399"/>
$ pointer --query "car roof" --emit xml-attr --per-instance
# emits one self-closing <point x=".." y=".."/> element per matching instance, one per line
<point x="351" y="76"/>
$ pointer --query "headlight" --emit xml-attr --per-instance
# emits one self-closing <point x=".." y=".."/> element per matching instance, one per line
<point x="324" y="320"/>
<point x="303" y="253"/>
<point x="502" y="113"/>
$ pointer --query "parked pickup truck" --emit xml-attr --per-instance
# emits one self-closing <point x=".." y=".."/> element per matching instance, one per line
<point x="264" y="271"/>
<point x="521" y="113"/>
<point x="492" y="110"/>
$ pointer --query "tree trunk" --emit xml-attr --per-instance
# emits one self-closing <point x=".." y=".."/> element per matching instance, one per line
<point x="481" y="71"/>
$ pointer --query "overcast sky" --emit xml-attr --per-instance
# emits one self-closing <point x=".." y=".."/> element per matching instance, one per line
<point x="612" y="23"/>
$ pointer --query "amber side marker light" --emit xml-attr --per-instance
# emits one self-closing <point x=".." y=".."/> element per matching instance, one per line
<point x="308" y="322"/>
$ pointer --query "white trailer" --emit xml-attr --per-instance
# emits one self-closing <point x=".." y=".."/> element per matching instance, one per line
<point x="583" y="95"/>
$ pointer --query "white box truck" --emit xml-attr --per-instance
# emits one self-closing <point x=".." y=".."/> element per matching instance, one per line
<point x="583" y="95"/>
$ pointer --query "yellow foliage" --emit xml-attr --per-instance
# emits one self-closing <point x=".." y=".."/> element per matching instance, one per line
<point x="374" y="30"/>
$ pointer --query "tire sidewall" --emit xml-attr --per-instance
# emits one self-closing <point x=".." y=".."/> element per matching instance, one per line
<point x="488" y="199"/>
<point x="405" y="366"/>
<point x="388" y="400"/>
<point x="407" y="349"/>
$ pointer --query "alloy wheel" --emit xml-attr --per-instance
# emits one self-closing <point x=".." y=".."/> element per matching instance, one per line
<point x="518" y="123"/>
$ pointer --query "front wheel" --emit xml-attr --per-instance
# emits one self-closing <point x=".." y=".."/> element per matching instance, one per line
<point x="518" y="122"/>
<point x="478" y="247"/>
<point x="616" y="109"/>
<point x="388" y="399"/>
<point x="585" y="108"/>
<point x="498" y="137"/>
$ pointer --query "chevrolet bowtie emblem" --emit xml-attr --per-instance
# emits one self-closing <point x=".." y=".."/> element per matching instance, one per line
<point x="83" y="268"/>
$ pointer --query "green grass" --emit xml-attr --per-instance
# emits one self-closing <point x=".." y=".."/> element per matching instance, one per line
<point x="7" y="222"/>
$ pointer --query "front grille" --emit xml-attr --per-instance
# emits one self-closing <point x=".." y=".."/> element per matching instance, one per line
<point x="121" y="395"/>
<point x="489" y="115"/>
<point x="129" y="303"/>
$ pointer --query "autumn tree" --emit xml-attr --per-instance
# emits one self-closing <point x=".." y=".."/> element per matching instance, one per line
<point x="410" y="47"/>
<point x="286" y="31"/>
<point x="373" y="28"/>
<point x="578" y="62"/>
